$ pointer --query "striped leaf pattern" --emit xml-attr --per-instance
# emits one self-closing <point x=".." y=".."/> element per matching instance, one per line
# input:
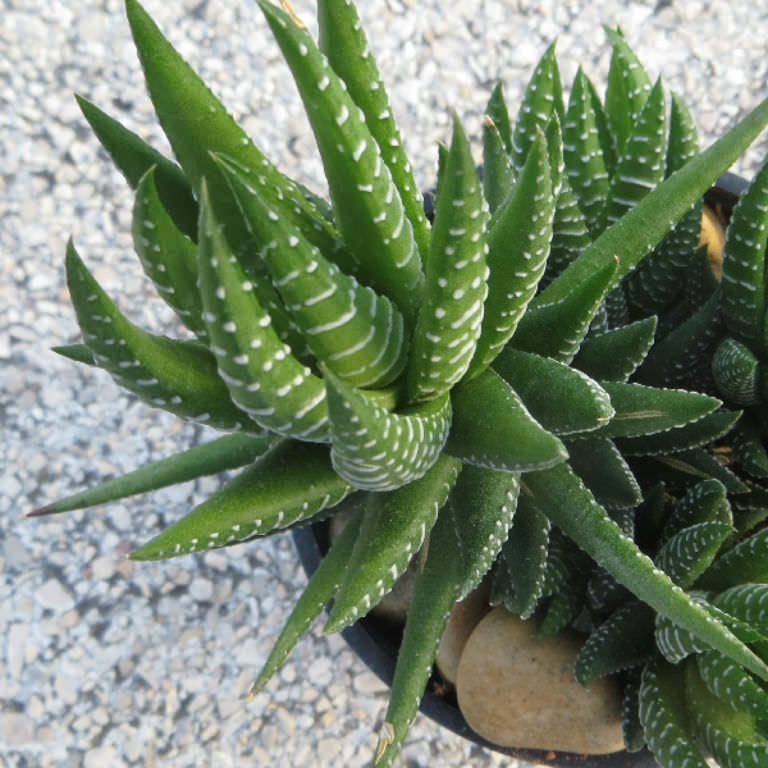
<point x="358" y="334"/>
<point x="264" y="378"/>
<point x="748" y="602"/>
<point x="376" y="450"/>
<point x="664" y="717"/>
<point x="343" y="40"/>
<point x="168" y="257"/>
<point x="744" y="263"/>
<point x="687" y="554"/>
<point x="450" y="317"/>
<point x="394" y="527"/>
<point x="543" y="97"/>
<point x="518" y="244"/>
<point x="367" y="206"/>
<point x="179" y="376"/>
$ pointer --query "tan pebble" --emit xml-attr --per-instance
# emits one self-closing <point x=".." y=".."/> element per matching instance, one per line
<point x="518" y="690"/>
<point x="463" y="619"/>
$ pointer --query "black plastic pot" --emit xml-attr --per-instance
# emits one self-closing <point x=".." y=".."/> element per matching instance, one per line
<point x="376" y="642"/>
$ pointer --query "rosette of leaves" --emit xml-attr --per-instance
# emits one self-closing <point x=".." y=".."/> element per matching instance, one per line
<point x="462" y="384"/>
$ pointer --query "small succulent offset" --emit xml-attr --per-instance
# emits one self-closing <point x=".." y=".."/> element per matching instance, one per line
<point x="539" y="387"/>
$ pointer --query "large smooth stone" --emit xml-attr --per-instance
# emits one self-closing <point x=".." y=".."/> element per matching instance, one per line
<point x="517" y="690"/>
<point x="464" y="617"/>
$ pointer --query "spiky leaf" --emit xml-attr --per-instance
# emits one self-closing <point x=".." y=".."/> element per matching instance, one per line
<point x="599" y="463"/>
<point x="358" y="334"/>
<point x="614" y="355"/>
<point x="380" y="451"/>
<point x="367" y="205"/>
<point x="289" y="484"/>
<point x="573" y="509"/>
<point x="451" y="314"/>
<point x="393" y="529"/>
<point x="747" y="561"/>
<point x="134" y="158"/>
<point x="570" y="402"/>
<point x="518" y="581"/>
<point x="687" y="554"/>
<point x="642" y="410"/>
<point x="343" y="41"/>
<point x="168" y="256"/>
<point x="731" y="684"/>
<point x="263" y="377"/>
<point x="665" y="719"/>
<point x="228" y="452"/>
<point x="487" y="413"/>
<point x="518" y="245"/>
<point x="744" y="262"/>
<point x="319" y="591"/>
<point x="179" y="376"/>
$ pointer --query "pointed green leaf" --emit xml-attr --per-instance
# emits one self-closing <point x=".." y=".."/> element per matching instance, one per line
<point x="622" y="641"/>
<point x="664" y="717"/>
<point x="582" y="149"/>
<point x="498" y="174"/>
<point x="289" y="484"/>
<point x="518" y="244"/>
<point x="571" y="507"/>
<point x="492" y="428"/>
<point x="601" y="466"/>
<point x="744" y="262"/>
<point x="557" y="330"/>
<point x="615" y="354"/>
<point x="394" y="528"/>
<point x="179" y="376"/>
<point x="320" y="589"/>
<point x="650" y="220"/>
<point x="702" y="432"/>
<point x="497" y="111"/>
<point x="343" y="40"/>
<point x="451" y="313"/>
<point x="357" y="334"/>
<point x="368" y="208"/>
<point x="729" y="734"/>
<point x="569" y="403"/>
<point x="197" y="124"/>
<point x="79" y="353"/>
<point x="264" y="378"/>
<point x="518" y="582"/>
<point x="434" y="595"/>
<point x="747" y="561"/>
<point x="642" y="410"/>
<point x="228" y="452"/>
<point x="543" y="96"/>
<point x="482" y="504"/>
<point x="134" y="157"/>
<point x="168" y="256"/>
<point x="380" y="451"/>
<point x="688" y="553"/>
<point x="700" y="463"/>
<point x="657" y="279"/>
<point x="642" y="163"/>
<point x="628" y="88"/>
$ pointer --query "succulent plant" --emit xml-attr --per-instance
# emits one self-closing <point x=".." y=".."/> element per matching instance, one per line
<point x="524" y="389"/>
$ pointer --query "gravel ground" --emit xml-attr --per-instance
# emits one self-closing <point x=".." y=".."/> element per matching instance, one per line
<point x="106" y="662"/>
